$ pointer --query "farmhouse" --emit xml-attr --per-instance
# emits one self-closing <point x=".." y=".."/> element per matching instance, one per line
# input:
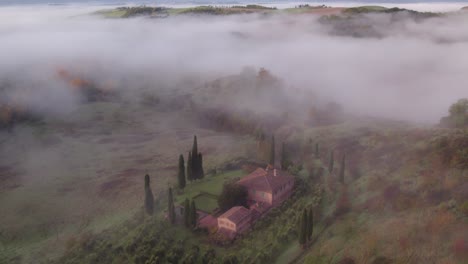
<point x="267" y="188"/>
<point x="235" y="220"/>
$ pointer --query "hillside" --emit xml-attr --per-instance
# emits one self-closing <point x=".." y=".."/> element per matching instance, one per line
<point x="125" y="135"/>
<point x="401" y="190"/>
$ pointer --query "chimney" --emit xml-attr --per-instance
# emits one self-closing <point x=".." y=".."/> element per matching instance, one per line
<point x="274" y="172"/>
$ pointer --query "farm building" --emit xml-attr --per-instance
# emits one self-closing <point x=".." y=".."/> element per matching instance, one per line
<point x="267" y="188"/>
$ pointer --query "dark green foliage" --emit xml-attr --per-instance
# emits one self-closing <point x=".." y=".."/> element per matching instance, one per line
<point x="200" y="162"/>
<point x="272" y="151"/>
<point x="181" y="174"/>
<point x="232" y="195"/>
<point x="285" y="162"/>
<point x="187" y="213"/>
<point x="210" y="255"/>
<point x="189" y="167"/>
<point x="331" y="162"/>
<point x="303" y="228"/>
<point x="342" y="169"/>
<point x="149" y="198"/>
<point x="193" y="214"/>
<point x="195" y="163"/>
<point x="310" y="224"/>
<point x="458" y="115"/>
<point x="170" y="208"/>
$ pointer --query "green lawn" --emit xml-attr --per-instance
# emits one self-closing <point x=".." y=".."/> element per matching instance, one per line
<point x="206" y="203"/>
<point x="206" y="190"/>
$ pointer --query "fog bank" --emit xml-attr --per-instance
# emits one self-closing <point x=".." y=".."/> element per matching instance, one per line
<point x="413" y="72"/>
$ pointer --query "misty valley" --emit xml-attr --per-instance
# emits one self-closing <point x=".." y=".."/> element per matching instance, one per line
<point x="233" y="134"/>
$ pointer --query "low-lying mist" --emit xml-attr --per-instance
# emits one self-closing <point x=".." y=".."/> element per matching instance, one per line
<point x="407" y="69"/>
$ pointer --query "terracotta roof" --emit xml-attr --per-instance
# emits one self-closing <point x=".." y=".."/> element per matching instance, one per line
<point x="266" y="180"/>
<point x="236" y="214"/>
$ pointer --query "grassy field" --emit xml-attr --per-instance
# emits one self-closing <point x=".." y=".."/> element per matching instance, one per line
<point x="206" y="190"/>
<point x="88" y="172"/>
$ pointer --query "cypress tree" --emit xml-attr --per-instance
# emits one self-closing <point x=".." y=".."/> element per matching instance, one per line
<point x="170" y="207"/>
<point x="310" y="223"/>
<point x="200" y="162"/>
<point x="189" y="167"/>
<point x="272" y="151"/>
<point x="181" y="174"/>
<point x="187" y="213"/>
<point x="303" y="230"/>
<point x="193" y="214"/>
<point x="149" y="198"/>
<point x="317" y="150"/>
<point x="195" y="162"/>
<point x="342" y="169"/>
<point x="332" y="161"/>
<point x="284" y="157"/>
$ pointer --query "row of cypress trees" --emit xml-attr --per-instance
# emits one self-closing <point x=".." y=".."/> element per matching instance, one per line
<point x="194" y="169"/>
<point x="190" y="214"/>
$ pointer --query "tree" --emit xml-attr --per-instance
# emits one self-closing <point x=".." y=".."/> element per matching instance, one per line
<point x="187" y="213"/>
<point x="171" y="210"/>
<point x="193" y="214"/>
<point x="149" y="198"/>
<point x="342" y="169"/>
<point x="232" y="194"/>
<point x="272" y="151"/>
<point x="303" y="228"/>
<point x="332" y="161"/>
<point x="189" y="167"/>
<point x="181" y="174"/>
<point x="317" y="154"/>
<point x="200" y="162"/>
<point x="458" y="115"/>
<point x="195" y="161"/>
<point x="284" y="157"/>
<point x="310" y="225"/>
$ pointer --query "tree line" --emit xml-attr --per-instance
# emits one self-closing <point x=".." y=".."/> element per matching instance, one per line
<point x="194" y="169"/>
